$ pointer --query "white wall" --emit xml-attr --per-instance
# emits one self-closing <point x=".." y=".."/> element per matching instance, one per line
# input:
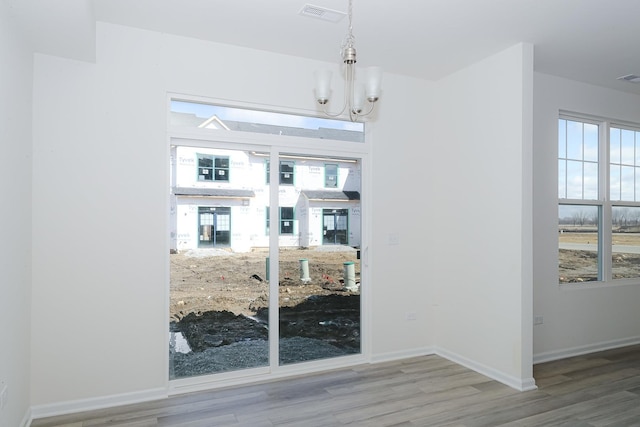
<point x="575" y="320"/>
<point x="479" y="216"/>
<point x="402" y="139"/>
<point x="16" y="73"/>
<point x="97" y="127"/>
<point x="99" y="296"/>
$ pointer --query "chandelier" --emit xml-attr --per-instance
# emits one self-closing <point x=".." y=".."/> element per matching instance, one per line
<point x="356" y="90"/>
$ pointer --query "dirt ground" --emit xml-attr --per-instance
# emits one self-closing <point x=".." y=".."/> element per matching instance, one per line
<point x="577" y="266"/>
<point x="206" y="280"/>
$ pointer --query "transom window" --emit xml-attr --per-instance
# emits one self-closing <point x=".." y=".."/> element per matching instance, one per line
<point x="223" y="118"/>
<point x="598" y="201"/>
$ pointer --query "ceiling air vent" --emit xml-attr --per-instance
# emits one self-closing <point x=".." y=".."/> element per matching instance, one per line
<point x="632" y="78"/>
<point x="322" y="13"/>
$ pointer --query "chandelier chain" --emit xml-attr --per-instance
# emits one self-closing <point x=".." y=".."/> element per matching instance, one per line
<point x="350" y="39"/>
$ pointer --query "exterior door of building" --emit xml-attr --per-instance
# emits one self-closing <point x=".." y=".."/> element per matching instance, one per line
<point x="214" y="226"/>
<point x="335" y="226"/>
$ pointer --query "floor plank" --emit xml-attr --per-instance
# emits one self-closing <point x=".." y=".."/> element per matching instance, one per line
<point x="596" y="390"/>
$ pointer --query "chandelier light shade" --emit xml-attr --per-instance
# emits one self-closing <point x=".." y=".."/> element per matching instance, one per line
<point x="358" y="90"/>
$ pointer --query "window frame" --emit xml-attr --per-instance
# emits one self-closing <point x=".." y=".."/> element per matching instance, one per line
<point x="603" y="202"/>
<point x="275" y="146"/>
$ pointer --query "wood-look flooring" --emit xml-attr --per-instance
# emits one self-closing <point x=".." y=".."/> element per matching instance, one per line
<point x="600" y="389"/>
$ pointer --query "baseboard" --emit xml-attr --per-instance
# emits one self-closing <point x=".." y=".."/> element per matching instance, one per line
<point x="399" y="355"/>
<point x="519" y="384"/>
<point x="82" y="405"/>
<point x="26" y="420"/>
<point x="585" y="349"/>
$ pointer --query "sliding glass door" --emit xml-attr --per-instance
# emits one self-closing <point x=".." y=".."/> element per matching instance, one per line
<point x="319" y="283"/>
<point x="264" y="266"/>
<point x="265" y="247"/>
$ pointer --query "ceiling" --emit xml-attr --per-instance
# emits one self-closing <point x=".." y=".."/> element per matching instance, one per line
<point x="593" y="41"/>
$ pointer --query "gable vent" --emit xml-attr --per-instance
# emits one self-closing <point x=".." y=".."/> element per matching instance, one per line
<point x="323" y="13"/>
<point x="632" y="78"/>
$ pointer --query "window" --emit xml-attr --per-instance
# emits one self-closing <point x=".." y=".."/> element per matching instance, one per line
<point x="286" y="172"/>
<point x="212" y="168"/>
<point x="286" y="220"/>
<point x="331" y="176"/>
<point x="599" y="201"/>
<point x="205" y="167"/>
<point x="221" y="118"/>
<point x="222" y="169"/>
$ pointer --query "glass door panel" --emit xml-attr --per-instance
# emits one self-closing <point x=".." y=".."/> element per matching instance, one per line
<point x="219" y="291"/>
<point x="319" y="264"/>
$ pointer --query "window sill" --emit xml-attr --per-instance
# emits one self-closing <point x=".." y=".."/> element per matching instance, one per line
<point x="600" y="284"/>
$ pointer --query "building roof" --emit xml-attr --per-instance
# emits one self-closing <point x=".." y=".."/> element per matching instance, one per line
<point x="331" y="195"/>
<point x="212" y="192"/>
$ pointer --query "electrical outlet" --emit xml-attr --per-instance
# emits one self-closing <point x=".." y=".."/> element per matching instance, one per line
<point x="538" y="320"/>
<point x="394" y="239"/>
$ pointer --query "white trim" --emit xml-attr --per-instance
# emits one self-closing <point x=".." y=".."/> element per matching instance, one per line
<point x="27" y="419"/>
<point x="82" y="405"/>
<point x="520" y="384"/>
<point x="262" y="375"/>
<point x="584" y="349"/>
<point x="401" y="355"/>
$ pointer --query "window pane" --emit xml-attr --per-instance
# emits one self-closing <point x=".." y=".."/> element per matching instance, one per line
<point x="331" y="176"/>
<point x="614" y="183"/>
<point x="286" y="220"/>
<point x="228" y="119"/>
<point x="219" y="291"/>
<point x="222" y="168"/>
<point x="320" y="260"/>
<point x="627" y="148"/>
<point x="222" y="162"/>
<point x="625" y="250"/>
<point x="286" y="172"/>
<point x="578" y="175"/>
<point x="636" y="137"/>
<point x="614" y="143"/>
<point x="590" y="142"/>
<point x="574" y="140"/>
<point x="574" y="180"/>
<point x="577" y="243"/>
<point x="627" y="190"/>
<point x="562" y="179"/>
<point x="590" y="181"/>
<point x="205" y="167"/>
